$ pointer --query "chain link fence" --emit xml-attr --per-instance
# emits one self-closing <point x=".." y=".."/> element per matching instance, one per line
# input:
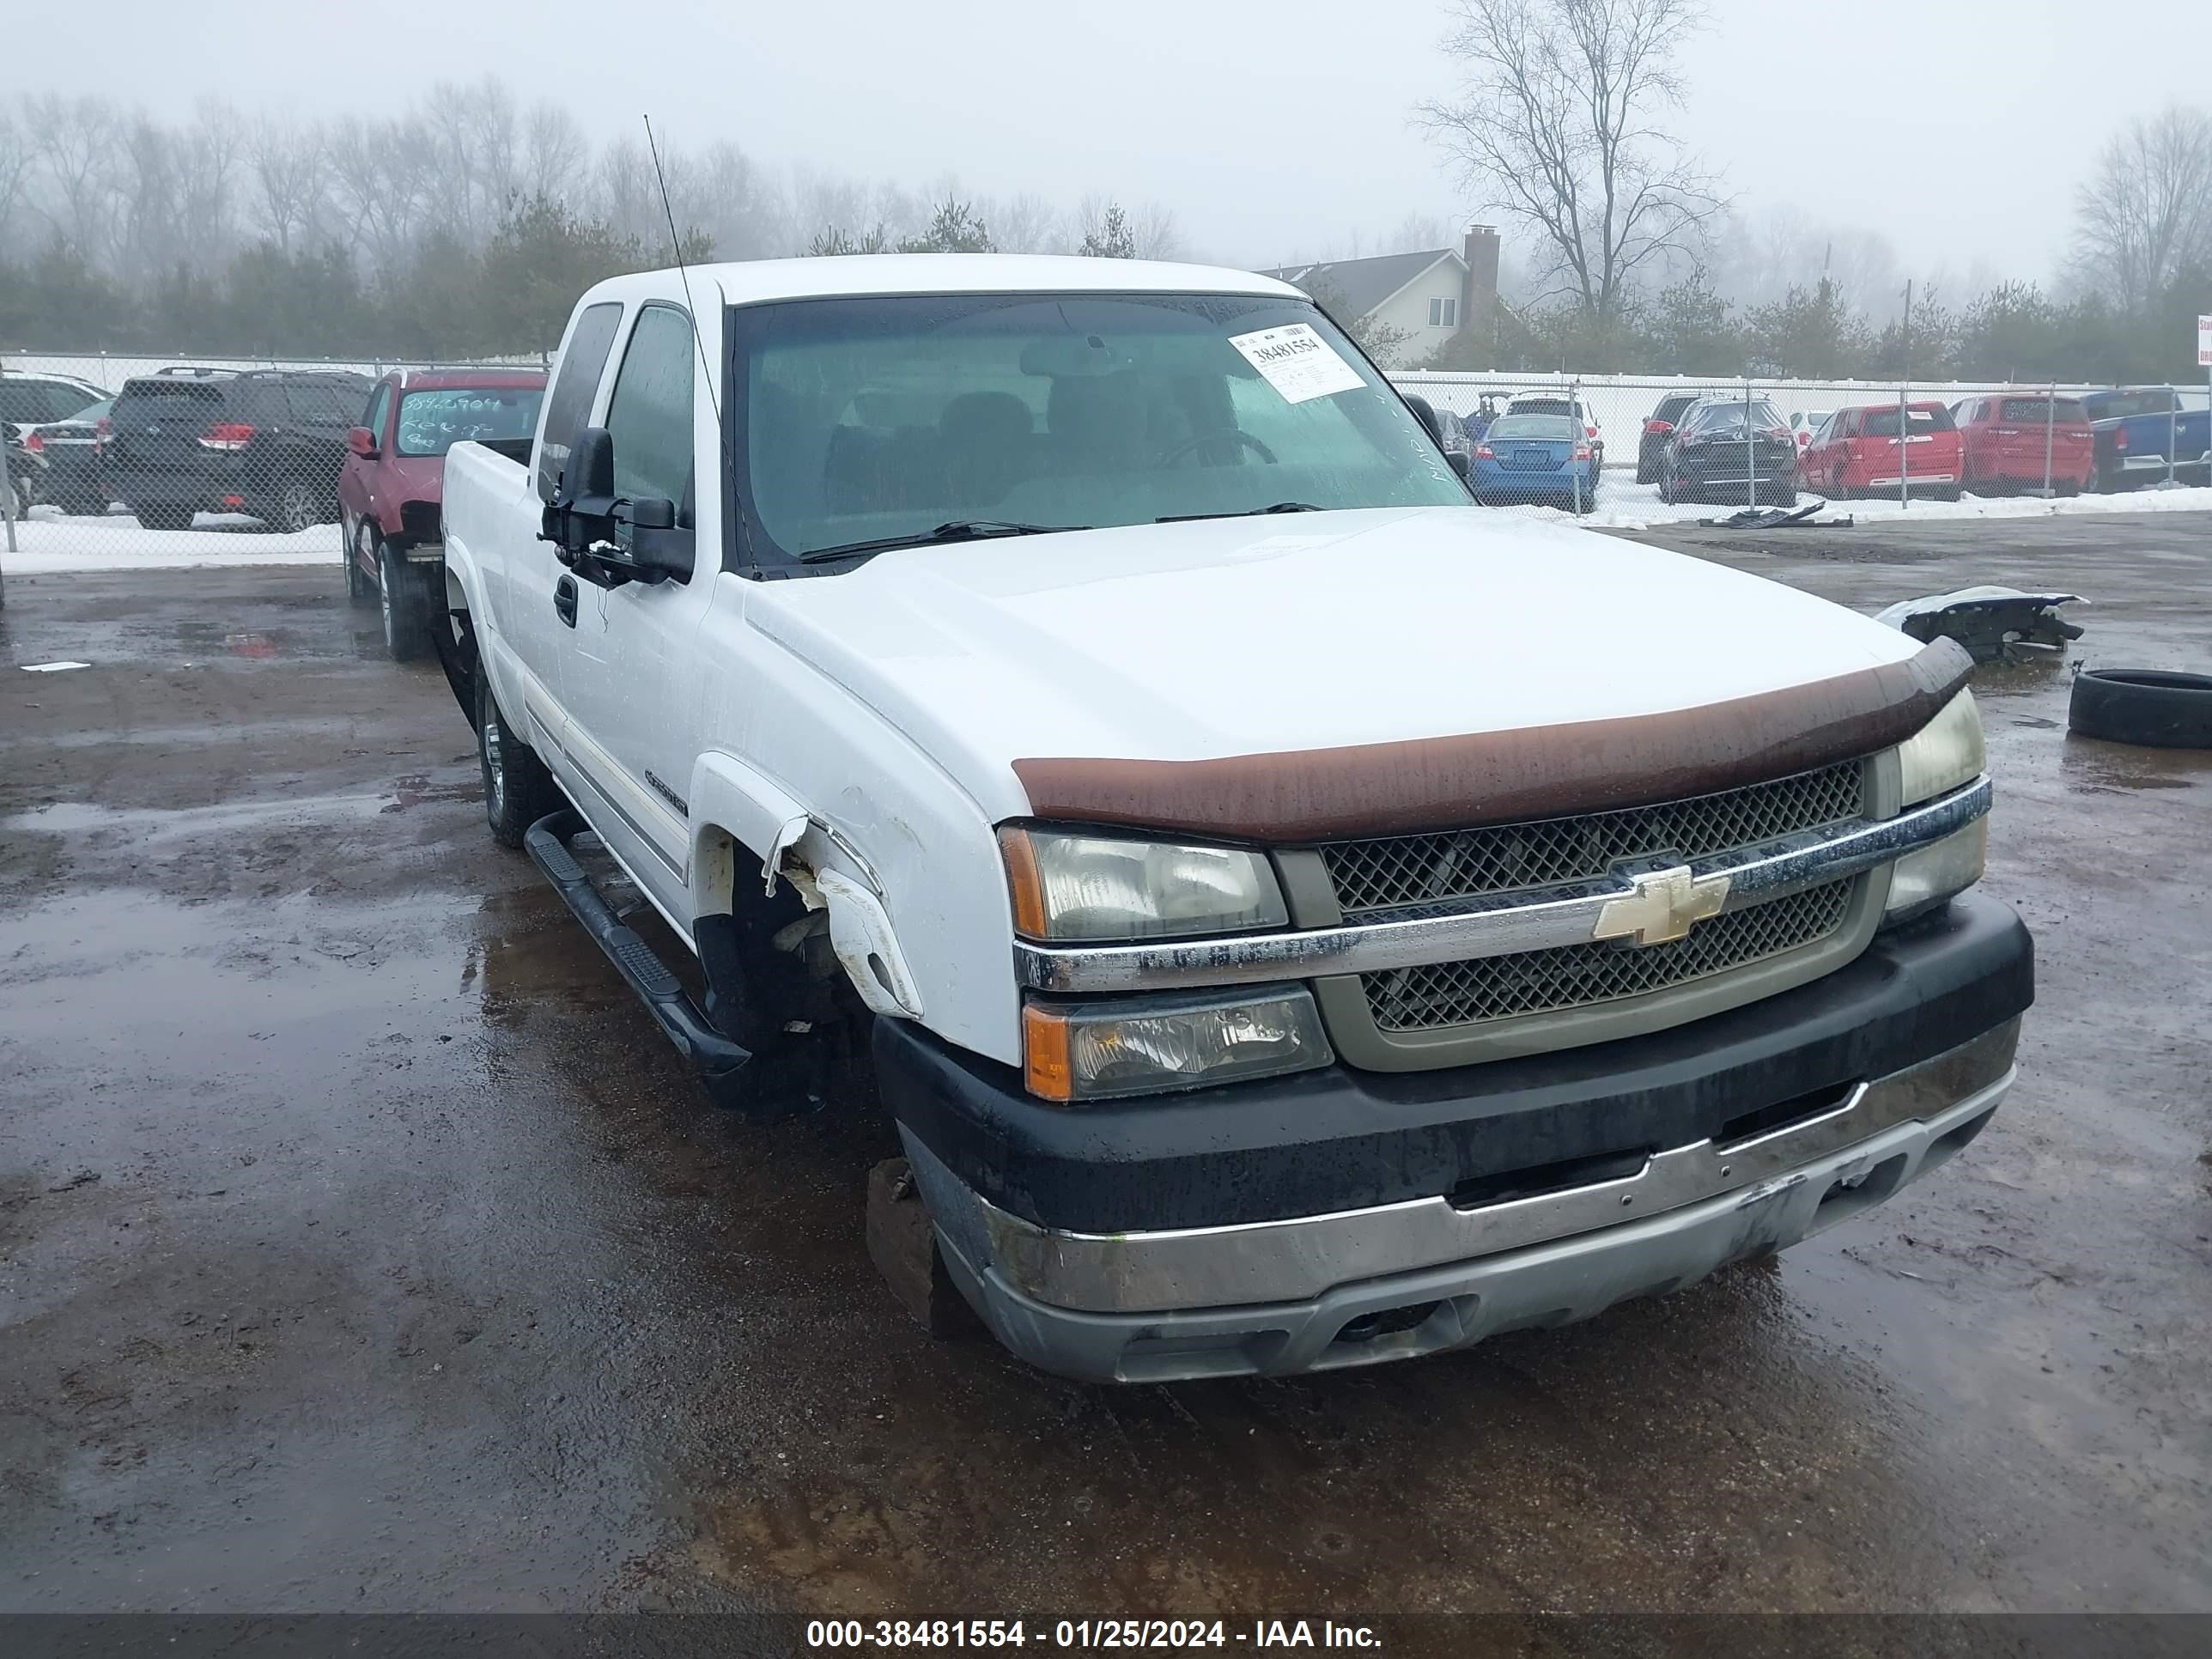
<point x="1879" y="446"/>
<point x="175" y="460"/>
<point x="238" y="458"/>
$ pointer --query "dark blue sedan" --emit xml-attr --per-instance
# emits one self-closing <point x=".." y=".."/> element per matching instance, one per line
<point x="1535" y="458"/>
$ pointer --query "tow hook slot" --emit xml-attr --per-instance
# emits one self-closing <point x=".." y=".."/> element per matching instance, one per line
<point x="713" y="1056"/>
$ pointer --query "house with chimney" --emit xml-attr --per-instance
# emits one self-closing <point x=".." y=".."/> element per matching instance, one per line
<point x="1424" y="298"/>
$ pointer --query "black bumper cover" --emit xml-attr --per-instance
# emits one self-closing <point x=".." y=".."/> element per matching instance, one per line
<point x="1342" y="1140"/>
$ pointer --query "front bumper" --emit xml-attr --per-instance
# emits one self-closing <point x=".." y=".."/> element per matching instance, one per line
<point x="1337" y="1217"/>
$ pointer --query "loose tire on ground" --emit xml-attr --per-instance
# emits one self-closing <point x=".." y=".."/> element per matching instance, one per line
<point x="518" y="789"/>
<point x="164" y="518"/>
<point x="2153" y="707"/>
<point x="405" y="606"/>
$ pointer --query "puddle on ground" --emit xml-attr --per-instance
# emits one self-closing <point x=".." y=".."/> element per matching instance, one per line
<point x="2092" y="766"/>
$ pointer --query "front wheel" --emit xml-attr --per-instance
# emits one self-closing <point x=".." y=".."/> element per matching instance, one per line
<point x="406" y="605"/>
<point x="164" y="518"/>
<point x="518" y="789"/>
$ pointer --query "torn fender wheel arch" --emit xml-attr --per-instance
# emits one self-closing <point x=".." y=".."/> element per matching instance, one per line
<point x="761" y="814"/>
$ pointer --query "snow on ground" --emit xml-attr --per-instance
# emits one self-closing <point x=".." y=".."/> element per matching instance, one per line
<point x="48" y="543"/>
<point x="1622" y="505"/>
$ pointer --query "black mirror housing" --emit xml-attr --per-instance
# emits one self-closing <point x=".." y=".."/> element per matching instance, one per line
<point x="1462" y="463"/>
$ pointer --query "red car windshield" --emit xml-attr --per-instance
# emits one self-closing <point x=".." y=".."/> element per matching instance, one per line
<point x="431" y="422"/>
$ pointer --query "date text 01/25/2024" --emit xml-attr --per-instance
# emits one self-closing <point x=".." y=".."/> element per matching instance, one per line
<point x="1087" y="1634"/>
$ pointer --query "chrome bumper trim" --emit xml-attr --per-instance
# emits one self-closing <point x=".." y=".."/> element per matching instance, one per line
<point x="1294" y="1260"/>
<point x="1534" y="920"/>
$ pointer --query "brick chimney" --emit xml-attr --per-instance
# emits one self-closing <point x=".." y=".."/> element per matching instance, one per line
<point x="1478" y="305"/>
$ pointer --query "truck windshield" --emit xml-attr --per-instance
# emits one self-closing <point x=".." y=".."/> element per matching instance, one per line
<point x="882" y="419"/>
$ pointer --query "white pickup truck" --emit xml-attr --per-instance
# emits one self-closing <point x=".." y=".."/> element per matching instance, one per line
<point x="1299" y="919"/>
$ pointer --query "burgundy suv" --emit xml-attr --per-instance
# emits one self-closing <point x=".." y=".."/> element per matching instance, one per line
<point x="394" y="476"/>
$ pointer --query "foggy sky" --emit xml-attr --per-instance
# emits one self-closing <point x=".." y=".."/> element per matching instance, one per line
<point x="1956" y="128"/>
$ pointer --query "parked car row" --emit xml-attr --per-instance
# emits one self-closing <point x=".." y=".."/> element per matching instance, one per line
<point x="294" y="449"/>
<point x="1987" y="443"/>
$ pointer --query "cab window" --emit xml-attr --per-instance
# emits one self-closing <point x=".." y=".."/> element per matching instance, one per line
<point x="568" y="407"/>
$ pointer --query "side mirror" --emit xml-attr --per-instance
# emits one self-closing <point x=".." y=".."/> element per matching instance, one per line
<point x="656" y="547"/>
<point x="1426" y="414"/>
<point x="363" y="443"/>
<point x="1462" y="463"/>
<point x="581" y="512"/>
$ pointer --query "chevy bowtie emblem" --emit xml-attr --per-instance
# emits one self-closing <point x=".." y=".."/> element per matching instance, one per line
<point x="1664" y="906"/>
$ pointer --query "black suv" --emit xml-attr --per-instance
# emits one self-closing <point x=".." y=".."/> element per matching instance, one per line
<point x="267" y="442"/>
<point x="1657" y="429"/>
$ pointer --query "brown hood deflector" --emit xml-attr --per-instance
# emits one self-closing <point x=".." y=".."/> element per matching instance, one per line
<point x="1497" y="777"/>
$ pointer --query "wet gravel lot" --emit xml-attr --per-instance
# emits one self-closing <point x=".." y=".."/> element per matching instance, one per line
<point x="363" y="1247"/>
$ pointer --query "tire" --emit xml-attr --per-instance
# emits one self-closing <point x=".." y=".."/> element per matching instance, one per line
<point x="405" y="605"/>
<point x="2153" y="707"/>
<point x="164" y="518"/>
<point x="518" y="789"/>
<point x="21" y="492"/>
<point x="1948" y="493"/>
<point x="297" y="505"/>
<point x="1645" y="475"/>
<point x="1786" y="498"/>
<point x="359" y="588"/>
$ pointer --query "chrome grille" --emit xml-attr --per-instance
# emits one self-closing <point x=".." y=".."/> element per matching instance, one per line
<point x="1578" y="975"/>
<point x="1389" y="871"/>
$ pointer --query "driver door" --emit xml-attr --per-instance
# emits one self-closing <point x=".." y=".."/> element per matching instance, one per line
<point x="633" y="715"/>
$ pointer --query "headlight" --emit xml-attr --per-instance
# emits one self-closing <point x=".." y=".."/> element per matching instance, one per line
<point x="1944" y="753"/>
<point x="1920" y="881"/>
<point x="1095" y="1050"/>
<point x="1067" y="886"/>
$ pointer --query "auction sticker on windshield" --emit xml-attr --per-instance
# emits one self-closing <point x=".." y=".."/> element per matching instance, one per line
<point x="1297" y="362"/>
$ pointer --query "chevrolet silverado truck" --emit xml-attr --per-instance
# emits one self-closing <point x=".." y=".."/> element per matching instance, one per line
<point x="1295" y="918"/>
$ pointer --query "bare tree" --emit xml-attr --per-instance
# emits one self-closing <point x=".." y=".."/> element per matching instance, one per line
<point x="74" y="144"/>
<point x="1157" y="235"/>
<point x="553" y="151"/>
<point x="2146" y="210"/>
<point x="1555" y="130"/>
<point x="288" y="163"/>
<point x="16" y="162"/>
<point x="379" y="170"/>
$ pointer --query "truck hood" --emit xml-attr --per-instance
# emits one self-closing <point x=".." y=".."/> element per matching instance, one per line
<point x="1256" y="635"/>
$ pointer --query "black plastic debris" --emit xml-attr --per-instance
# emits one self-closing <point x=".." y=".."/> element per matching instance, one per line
<point x="1778" y="518"/>
<point x="1990" y="622"/>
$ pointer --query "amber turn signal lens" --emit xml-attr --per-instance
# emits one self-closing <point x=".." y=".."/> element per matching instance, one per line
<point x="1046" y="1068"/>
<point x="1023" y="884"/>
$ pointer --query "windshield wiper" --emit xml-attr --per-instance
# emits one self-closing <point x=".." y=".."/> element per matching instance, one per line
<point x="957" y="530"/>
<point x="1241" y="513"/>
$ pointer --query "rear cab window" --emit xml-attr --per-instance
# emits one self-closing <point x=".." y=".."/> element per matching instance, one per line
<point x="575" y="383"/>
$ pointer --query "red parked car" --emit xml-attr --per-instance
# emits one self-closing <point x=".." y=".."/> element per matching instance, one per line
<point x="1857" y="452"/>
<point x="394" y="479"/>
<point x="2006" y="439"/>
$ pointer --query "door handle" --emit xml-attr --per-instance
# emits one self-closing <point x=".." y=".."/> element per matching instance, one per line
<point x="564" y="599"/>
